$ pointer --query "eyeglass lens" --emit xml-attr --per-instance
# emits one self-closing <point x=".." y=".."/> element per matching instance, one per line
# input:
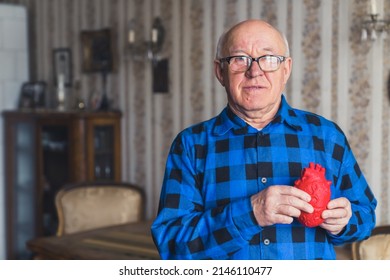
<point x="243" y="63"/>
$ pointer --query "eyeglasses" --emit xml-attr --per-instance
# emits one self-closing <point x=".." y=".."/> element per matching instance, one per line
<point x="242" y="63"/>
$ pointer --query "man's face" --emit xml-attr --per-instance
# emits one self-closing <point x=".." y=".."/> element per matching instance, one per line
<point x="254" y="92"/>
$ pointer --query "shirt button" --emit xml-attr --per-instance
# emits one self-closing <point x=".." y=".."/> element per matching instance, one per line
<point x="264" y="180"/>
<point x="266" y="241"/>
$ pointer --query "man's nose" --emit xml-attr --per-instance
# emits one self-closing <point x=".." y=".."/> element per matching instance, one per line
<point x="254" y="70"/>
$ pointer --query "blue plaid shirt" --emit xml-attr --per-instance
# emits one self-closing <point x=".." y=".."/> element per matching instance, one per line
<point x="214" y="167"/>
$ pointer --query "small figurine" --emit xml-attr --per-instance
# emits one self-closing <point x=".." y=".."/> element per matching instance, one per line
<point x="313" y="182"/>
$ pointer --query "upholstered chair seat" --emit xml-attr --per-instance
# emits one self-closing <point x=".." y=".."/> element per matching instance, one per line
<point x="376" y="247"/>
<point x="89" y="206"/>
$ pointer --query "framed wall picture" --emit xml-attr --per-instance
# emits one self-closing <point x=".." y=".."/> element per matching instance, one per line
<point x="62" y="63"/>
<point x="97" y="51"/>
<point x="32" y="95"/>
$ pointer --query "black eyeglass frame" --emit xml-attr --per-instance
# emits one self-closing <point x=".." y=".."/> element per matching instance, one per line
<point x="281" y="59"/>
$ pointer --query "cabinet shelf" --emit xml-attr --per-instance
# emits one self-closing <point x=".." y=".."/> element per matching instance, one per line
<point x="45" y="150"/>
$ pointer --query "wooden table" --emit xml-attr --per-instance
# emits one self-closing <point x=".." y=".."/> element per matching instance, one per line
<point x="128" y="241"/>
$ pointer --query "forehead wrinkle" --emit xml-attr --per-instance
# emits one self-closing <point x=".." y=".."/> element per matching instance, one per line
<point x="240" y="51"/>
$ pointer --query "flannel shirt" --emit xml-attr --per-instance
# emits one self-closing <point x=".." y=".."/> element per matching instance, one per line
<point x="213" y="168"/>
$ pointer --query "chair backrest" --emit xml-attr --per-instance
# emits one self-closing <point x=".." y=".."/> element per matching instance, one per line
<point x="86" y="206"/>
<point x="376" y="247"/>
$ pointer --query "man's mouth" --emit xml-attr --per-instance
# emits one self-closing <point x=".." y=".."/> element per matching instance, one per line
<point x="251" y="88"/>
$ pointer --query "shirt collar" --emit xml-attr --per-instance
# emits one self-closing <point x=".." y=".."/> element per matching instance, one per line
<point x="227" y="120"/>
<point x="286" y="114"/>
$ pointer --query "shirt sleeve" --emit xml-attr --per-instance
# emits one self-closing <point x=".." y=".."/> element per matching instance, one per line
<point x="352" y="184"/>
<point x="185" y="228"/>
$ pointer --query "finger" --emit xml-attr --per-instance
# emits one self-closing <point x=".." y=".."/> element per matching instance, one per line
<point x="338" y="213"/>
<point x="288" y="190"/>
<point x="297" y="203"/>
<point x="290" y="211"/>
<point x="335" y="222"/>
<point x="340" y="202"/>
<point x="283" y="219"/>
<point x="334" y="229"/>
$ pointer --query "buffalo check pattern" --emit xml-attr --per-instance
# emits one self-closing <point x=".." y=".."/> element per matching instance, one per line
<point x="214" y="167"/>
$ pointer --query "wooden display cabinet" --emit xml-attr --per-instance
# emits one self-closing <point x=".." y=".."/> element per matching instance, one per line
<point x="44" y="151"/>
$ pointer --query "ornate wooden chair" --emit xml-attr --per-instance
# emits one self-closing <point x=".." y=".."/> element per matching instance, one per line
<point x="86" y="206"/>
<point x="376" y="247"/>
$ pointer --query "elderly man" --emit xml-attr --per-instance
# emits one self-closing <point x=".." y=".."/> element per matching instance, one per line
<point x="227" y="191"/>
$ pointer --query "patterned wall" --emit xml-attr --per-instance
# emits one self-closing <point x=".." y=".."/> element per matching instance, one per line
<point x="334" y="73"/>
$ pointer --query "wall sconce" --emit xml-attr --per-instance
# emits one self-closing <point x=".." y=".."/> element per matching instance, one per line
<point x="374" y="25"/>
<point x="149" y="49"/>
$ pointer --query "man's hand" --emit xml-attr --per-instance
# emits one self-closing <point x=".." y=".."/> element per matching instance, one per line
<point x="279" y="205"/>
<point x="337" y="215"/>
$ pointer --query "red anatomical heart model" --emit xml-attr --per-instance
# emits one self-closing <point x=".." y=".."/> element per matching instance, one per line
<point x="313" y="182"/>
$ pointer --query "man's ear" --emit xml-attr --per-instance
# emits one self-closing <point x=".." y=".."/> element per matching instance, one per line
<point x="287" y="69"/>
<point x="218" y="72"/>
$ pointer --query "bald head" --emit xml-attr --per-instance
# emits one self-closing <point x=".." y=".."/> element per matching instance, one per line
<point x="251" y="27"/>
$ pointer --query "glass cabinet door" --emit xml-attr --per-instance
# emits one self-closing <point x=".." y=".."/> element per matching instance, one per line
<point x="55" y="153"/>
<point x="24" y="197"/>
<point x="104" y="152"/>
<point x="104" y="156"/>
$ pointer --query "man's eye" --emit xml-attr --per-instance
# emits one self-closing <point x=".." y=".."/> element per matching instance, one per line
<point x="271" y="59"/>
<point x="240" y="59"/>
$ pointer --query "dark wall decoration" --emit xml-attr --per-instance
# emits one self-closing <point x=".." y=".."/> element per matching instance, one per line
<point x="97" y="51"/>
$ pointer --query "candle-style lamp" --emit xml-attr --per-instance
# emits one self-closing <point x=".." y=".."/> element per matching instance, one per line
<point x="374" y="25"/>
<point x="149" y="49"/>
